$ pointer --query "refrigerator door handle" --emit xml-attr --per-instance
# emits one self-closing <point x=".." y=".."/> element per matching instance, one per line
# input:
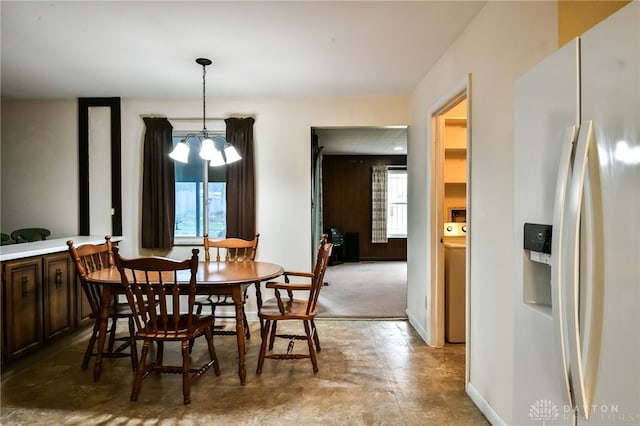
<point x="557" y="247"/>
<point x="583" y="273"/>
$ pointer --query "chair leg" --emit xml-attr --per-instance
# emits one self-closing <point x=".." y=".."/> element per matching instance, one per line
<point x="312" y="352"/>
<point x="198" y="312"/>
<point x="90" y="345"/>
<point x="186" y="379"/>
<point x="191" y="345"/>
<point x="137" y="382"/>
<point x="272" y="339"/>
<point x="263" y="346"/>
<point x="112" y="334"/>
<point x="247" y="333"/>
<point x="259" y="302"/>
<point x="316" y="339"/>
<point x="208" y="335"/>
<point x="159" y="353"/>
<point x="132" y="344"/>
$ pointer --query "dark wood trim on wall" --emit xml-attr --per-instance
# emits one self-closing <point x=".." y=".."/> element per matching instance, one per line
<point x="346" y="190"/>
<point x="83" y="162"/>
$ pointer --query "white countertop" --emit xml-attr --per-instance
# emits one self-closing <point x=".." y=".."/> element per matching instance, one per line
<point x="39" y="248"/>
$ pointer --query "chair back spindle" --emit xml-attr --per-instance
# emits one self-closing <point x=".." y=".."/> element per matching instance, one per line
<point x="231" y="249"/>
<point x="89" y="258"/>
<point x="153" y="286"/>
<point x="322" y="261"/>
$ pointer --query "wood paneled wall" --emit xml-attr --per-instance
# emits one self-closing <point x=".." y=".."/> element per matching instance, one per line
<point x="346" y="183"/>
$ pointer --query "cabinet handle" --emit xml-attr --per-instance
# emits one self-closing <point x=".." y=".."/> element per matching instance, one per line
<point x="25" y="285"/>
<point x="58" y="278"/>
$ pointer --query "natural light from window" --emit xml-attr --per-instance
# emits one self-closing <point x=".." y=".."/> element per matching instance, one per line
<point x="396" y="204"/>
<point x="191" y="198"/>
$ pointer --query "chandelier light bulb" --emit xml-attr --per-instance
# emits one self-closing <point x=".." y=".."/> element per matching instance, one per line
<point x="208" y="149"/>
<point x="180" y="152"/>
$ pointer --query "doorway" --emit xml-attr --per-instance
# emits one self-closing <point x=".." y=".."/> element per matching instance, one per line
<point x="342" y="165"/>
<point x="450" y="224"/>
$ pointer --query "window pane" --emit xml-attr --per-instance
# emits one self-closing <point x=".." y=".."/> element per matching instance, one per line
<point x="217" y="209"/>
<point x="188" y="210"/>
<point x="397" y="203"/>
<point x="190" y="197"/>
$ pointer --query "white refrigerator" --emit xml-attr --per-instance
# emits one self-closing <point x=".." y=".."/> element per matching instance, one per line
<point x="577" y="268"/>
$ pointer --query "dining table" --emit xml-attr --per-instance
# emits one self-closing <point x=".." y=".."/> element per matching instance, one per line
<point x="213" y="278"/>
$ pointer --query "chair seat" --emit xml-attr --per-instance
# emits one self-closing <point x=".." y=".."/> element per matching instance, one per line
<point x="293" y="309"/>
<point x="200" y="323"/>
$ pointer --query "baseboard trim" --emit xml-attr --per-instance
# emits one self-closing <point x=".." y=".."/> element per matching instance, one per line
<point x="484" y="406"/>
<point x="418" y="327"/>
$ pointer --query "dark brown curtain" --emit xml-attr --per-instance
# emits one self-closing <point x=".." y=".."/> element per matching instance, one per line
<point x="241" y="200"/>
<point x="158" y="185"/>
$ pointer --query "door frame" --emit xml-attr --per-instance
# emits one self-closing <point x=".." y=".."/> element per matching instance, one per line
<point x="436" y="317"/>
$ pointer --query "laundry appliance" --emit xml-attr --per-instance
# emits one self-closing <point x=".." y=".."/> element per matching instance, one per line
<point x="455" y="250"/>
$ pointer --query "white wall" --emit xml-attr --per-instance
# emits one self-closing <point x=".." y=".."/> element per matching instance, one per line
<point x="502" y="41"/>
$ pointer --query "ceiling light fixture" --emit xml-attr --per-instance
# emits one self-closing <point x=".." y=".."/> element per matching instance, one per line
<point x="216" y="150"/>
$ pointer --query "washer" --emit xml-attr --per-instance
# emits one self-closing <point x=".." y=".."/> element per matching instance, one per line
<point x="455" y="250"/>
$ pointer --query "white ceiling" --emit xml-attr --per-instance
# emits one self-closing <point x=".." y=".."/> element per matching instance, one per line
<point x="68" y="49"/>
<point x="301" y="49"/>
<point x="363" y="140"/>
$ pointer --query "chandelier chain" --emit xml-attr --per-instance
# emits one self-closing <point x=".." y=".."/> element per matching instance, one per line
<point x="204" y="104"/>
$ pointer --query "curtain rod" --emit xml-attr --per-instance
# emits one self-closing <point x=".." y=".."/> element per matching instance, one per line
<point x="180" y="118"/>
<point x="194" y="118"/>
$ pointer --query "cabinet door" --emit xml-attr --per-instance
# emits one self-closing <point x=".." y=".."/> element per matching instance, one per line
<point x="23" y="307"/>
<point x="83" y="308"/>
<point x="59" y="290"/>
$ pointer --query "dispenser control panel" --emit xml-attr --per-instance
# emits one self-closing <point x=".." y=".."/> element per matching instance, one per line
<point x="537" y="238"/>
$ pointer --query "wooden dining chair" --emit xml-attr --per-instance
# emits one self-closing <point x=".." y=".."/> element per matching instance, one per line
<point x="292" y="309"/>
<point x="228" y="250"/>
<point x="153" y="292"/>
<point x="89" y="258"/>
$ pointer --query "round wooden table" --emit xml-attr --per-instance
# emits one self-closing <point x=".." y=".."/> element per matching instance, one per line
<point x="223" y="278"/>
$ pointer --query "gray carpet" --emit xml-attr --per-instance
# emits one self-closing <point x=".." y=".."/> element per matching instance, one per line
<point x="364" y="290"/>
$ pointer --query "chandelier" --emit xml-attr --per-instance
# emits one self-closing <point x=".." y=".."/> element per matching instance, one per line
<point x="214" y="149"/>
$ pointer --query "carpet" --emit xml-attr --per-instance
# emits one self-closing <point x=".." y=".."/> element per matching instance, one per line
<point x="364" y="290"/>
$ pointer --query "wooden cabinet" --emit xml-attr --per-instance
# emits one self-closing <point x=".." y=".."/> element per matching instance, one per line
<point x="59" y="305"/>
<point x="39" y="295"/>
<point x="23" y="307"/>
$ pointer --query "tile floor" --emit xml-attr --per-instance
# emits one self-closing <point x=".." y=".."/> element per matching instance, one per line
<point x="371" y="373"/>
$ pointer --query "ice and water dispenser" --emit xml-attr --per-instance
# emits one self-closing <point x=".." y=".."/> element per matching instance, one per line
<point x="537" y="265"/>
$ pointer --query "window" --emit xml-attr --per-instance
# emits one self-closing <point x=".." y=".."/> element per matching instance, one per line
<point x="396" y="203"/>
<point x="200" y="191"/>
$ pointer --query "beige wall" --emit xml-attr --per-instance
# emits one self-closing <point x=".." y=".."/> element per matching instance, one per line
<point x="577" y="16"/>
<point x="40" y="151"/>
<point x="503" y="41"/>
<point x="40" y="166"/>
<point x="40" y="178"/>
